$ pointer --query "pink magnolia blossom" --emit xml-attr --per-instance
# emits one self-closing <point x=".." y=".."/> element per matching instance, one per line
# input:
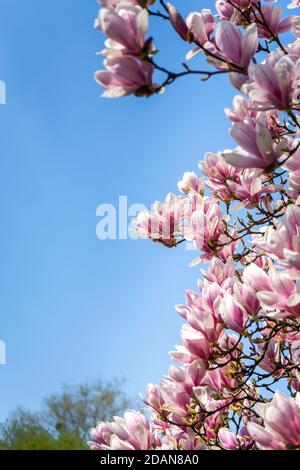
<point x="205" y="227"/>
<point x="202" y="310"/>
<point x="154" y="397"/>
<point x="228" y="245"/>
<point x="178" y="22"/>
<point x="205" y="396"/>
<point x="271" y="357"/>
<point x="233" y="313"/>
<point x="232" y="46"/>
<point x="295" y="26"/>
<point x="126" y="28"/>
<point x="283" y="241"/>
<point x="176" y="391"/>
<point x="225" y="9"/>
<point x="124" y="76"/>
<point x="201" y="24"/>
<point x="246" y="298"/>
<point x="272" y="17"/>
<point x="191" y="442"/>
<point x="234" y="10"/>
<point x="294" y="183"/>
<point x="256" y="150"/>
<point x="195" y="346"/>
<point x="228" y="439"/>
<point x="181" y="441"/>
<point x="129" y="433"/>
<point x="274" y="85"/>
<point x="242" y="109"/>
<point x="114" y="3"/>
<point x="293" y="167"/>
<point x="218" y="174"/>
<point x="277" y="292"/>
<point x="295" y="357"/>
<point x="191" y="183"/>
<point x="219" y="272"/>
<point x="197" y="28"/>
<point x="281" y="428"/>
<point x="250" y="190"/>
<point x="201" y="27"/>
<point x="245" y="109"/>
<point x="111" y="3"/>
<point x="164" y="223"/>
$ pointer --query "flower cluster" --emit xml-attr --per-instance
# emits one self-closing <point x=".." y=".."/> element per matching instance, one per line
<point x="241" y="338"/>
<point x="128" y="67"/>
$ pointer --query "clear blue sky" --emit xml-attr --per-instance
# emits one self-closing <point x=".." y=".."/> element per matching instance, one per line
<point x="74" y="308"/>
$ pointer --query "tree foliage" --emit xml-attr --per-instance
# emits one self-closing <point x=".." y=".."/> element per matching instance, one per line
<point x="65" y="420"/>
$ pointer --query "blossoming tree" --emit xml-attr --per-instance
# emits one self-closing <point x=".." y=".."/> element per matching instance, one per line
<point x="237" y="382"/>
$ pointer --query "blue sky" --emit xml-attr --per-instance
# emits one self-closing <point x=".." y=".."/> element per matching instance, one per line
<point x="72" y="307"/>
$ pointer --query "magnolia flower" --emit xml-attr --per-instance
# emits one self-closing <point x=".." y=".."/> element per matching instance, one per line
<point x="232" y="50"/>
<point x="274" y="85"/>
<point x="202" y="310"/>
<point x="191" y="441"/>
<point x="233" y="10"/>
<point x="219" y="272"/>
<point x="296" y="26"/>
<point x="281" y="424"/>
<point x="246" y="298"/>
<point x="228" y="439"/>
<point x="197" y="28"/>
<point x="178" y="22"/>
<point x="270" y="357"/>
<point x="250" y="190"/>
<point x="233" y="313"/>
<point x="132" y="432"/>
<point x="201" y="26"/>
<point x="114" y="3"/>
<point x="245" y="110"/>
<point x="163" y="224"/>
<point x="277" y="293"/>
<point x="256" y="147"/>
<point x="233" y="46"/>
<point x="154" y="398"/>
<point x="126" y="28"/>
<point x="229" y="244"/>
<point x="295" y="349"/>
<point x="219" y="173"/>
<point x="242" y="109"/>
<point x="293" y="167"/>
<point x="195" y="346"/>
<point x="177" y="439"/>
<point x="244" y="4"/>
<point x="225" y="9"/>
<point x="111" y="3"/>
<point x="272" y="17"/>
<point x="126" y="75"/>
<point x="176" y="390"/>
<point x="191" y="183"/>
<point x="283" y="241"/>
<point x="294" y="183"/>
<point x="205" y="227"/>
